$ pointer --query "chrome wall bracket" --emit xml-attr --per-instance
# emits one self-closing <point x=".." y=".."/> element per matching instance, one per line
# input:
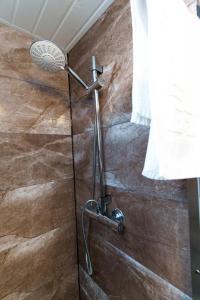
<point x="97" y="84"/>
<point x="98" y="69"/>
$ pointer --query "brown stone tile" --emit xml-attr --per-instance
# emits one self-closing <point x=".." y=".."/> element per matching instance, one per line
<point x="124" y="153"/>
<point x="15" y="61"/>
<point x="33" y="210"/>
<point x="37" y="219"/>
<point x="83" y="294"/>
<point x="83" y="145"/>
<point x="26" y="107"/>
<point x="125" y="149"/>
<point x="33" y="159"/>
<point x="154" y="249"/>
<point x="31" y="264"/>
<point x="110" y="39"/>
<point x="65" y="290"/>
<point x="156" y="232"/>
<point x="128" y="278"/>
<point x="89" y="289"/>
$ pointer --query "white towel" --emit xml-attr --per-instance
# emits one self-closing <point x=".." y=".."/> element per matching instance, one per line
<point x="166" y="86"/>
<point x="141" y="112"/>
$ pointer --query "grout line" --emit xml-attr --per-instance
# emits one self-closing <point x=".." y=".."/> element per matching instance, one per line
<point x="34" y="83"/>
<point x="39" y="17"/>
<point x="25" y="133"/>
<point x="90" y="129"/>
<point x="69" y="10"/>
<point x="14" y="12"/>
<point x="75" y="200"/>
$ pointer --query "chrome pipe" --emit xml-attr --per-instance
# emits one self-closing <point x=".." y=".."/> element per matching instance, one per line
<point x="97" y="84"/>
<point x="99" y="133"/>
<point x="101" y="212"/>
<point x="76" y="76"/>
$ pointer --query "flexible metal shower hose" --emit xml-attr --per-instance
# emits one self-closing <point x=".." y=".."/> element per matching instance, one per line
<point x="89" y="202"/>
<point x="87" y="253"/>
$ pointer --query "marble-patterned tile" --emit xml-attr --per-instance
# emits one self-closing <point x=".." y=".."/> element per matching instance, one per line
<point x="124" y="153"/>
<point x="38" y="255"/>
<point x="151" y="260"/>
<point x="49" y="291"/>
<point x="156" y="232"/>
<point x="31" y="265"/>
<point x="26" y="107"/>
<point x="128" y="278"/>
<point x="125" y="150"/>
<point x="110" y="39"/>
<point x="30" y="159"/>
<point x="67" y="289"/>
<point x="33" y="210"/>
<point x="15" y="61"/>
<point x="89" y="289"/>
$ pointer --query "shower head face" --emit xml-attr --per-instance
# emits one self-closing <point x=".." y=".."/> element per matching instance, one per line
<point x="48" y="56"/>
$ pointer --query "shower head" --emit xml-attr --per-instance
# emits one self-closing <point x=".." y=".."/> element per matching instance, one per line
<point x="51" y="58"/>
<point x="48" y="56"/>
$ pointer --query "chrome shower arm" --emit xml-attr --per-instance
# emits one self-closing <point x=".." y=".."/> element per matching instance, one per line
<point x="99" y="83"/>
<point x="76" y="76"/>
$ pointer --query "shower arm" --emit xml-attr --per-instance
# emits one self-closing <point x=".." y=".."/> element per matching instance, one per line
<point x="97" y="84"/>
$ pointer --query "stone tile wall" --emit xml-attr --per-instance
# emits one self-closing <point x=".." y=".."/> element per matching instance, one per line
<point x="37" y="215"/>
<point x="151" y="260"/>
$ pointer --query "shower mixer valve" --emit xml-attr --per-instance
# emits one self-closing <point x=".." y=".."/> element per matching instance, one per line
<point x="115" y="221"/>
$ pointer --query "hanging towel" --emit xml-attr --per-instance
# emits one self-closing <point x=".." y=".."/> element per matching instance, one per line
<point x="166" y="86"/>
<point x="141" y="111"/>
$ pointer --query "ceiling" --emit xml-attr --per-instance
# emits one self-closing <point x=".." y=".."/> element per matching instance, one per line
<point x="61" y="21"/>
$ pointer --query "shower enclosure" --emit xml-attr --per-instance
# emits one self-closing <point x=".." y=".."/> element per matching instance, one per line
<point x="45" y="182"/>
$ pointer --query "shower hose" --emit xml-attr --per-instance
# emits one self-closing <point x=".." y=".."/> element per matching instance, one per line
<point x="90" y="203"/>
<point x="87" y="253"/>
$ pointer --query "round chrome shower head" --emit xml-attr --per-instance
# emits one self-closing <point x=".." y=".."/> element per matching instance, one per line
<point x="48" y="56"/>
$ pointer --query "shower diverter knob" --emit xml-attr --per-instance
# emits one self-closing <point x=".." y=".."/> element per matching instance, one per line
<point x="117" y="215"/>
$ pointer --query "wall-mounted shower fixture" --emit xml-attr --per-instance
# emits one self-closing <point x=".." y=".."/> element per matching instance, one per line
<point x="99" y="211"/>
<point x="51" y="58"/>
